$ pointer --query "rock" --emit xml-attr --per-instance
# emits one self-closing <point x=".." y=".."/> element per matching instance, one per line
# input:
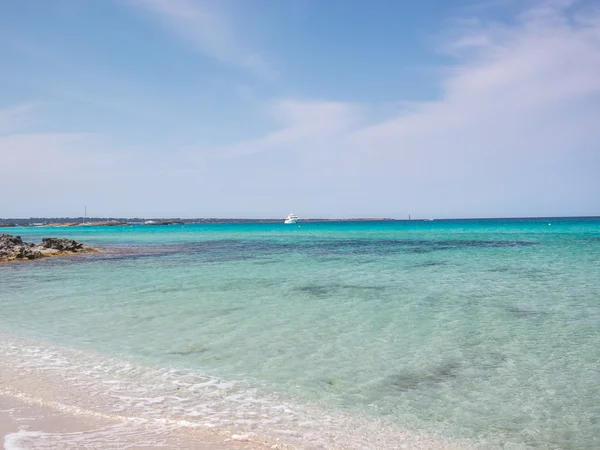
<point x="13" y="247"/>
<point x="63" y="245"/>
<point x="8" y="240"/>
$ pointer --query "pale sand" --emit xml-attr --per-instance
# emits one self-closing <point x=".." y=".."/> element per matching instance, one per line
<point x="36" y="412"/>
<point x="30" y="426"/>
<point x="28" y="421"/>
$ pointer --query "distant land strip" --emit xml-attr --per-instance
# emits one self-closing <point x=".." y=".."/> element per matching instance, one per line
<point x="111" y="221"/>
<point x="103" y="221"/>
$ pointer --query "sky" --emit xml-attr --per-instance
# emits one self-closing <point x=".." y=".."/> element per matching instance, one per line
<point x="338" y="108"/>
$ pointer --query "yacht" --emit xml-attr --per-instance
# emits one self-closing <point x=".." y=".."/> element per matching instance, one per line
<point x="291" y="218"/>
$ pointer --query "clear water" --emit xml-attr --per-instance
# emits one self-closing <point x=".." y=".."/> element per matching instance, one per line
<point x="477" y="331"/>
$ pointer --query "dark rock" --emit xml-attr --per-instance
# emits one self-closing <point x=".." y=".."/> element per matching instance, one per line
<point x="8" y="240"/>
<point x="25" y="252"/>
<point x="13" y="247"/>
<point x="63" y="245"/>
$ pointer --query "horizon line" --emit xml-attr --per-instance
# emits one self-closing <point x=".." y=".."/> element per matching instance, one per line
<point x="363" y="218"/>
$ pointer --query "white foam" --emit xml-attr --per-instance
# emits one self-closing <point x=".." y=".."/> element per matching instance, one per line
<point x="118" y="436"/>
<point x="14" y="441"/>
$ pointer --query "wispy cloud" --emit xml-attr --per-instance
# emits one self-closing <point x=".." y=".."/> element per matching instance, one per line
<point x="45" y="156"/>
<point x="517" y="120"/>
<point x="23" y="146"/>
<point x="209" y="30"/>
<point x="516" y="117"/>
<point x="301" y="123"/>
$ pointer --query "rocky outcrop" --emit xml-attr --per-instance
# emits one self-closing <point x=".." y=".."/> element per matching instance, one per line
<point x="63" y="245"/>
<point x="13" y="248"/>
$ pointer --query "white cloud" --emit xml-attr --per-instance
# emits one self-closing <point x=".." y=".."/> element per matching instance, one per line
<point x="209" y="30"/>
<point x="526" y="76"/>
<point x="516" y="116"/>
<point x="48" y="157"/>
<point x="515" y="132"/>
<point x="301" y="122"/>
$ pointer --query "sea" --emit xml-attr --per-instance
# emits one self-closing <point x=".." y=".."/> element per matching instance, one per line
<point x="406" y="334"/>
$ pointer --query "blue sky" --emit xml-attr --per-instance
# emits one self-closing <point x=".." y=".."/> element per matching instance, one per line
<point x="339" y="108"/>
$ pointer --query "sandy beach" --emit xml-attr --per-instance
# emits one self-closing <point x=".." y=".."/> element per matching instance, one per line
<point x="24" y="426"/>
<point x="32" y="426"/>
<point x="37" y="422"/>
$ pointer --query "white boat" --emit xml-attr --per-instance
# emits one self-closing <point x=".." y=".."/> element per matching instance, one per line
<point x="291" y="218"/>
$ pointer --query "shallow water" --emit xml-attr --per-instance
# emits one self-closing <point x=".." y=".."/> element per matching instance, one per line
<point x="478" y="331"/>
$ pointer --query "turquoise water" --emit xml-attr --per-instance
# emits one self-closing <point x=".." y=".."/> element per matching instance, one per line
<point x="481" y="331"/>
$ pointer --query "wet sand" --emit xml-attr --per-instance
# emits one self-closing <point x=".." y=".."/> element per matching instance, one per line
<point x="29" y="426"/>
<point x="28" y="422"/>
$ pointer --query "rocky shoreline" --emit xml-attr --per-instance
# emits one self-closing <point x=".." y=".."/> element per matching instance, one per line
<point x="13" y="248"/>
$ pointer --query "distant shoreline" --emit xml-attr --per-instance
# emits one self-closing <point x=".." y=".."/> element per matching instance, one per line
<point x="103" y="221"/>
<point x="73" y="222"/>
